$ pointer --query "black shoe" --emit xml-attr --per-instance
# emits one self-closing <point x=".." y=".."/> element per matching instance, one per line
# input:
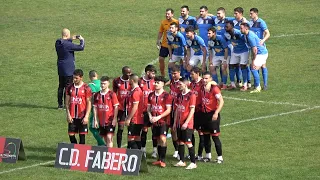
<point x="206" y="159"/>
<point x="60" y="107"/>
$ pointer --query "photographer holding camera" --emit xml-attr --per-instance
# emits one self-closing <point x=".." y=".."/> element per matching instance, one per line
<point x="66" y="61"/>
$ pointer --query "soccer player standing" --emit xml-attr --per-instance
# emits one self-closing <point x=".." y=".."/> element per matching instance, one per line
<point x="259" y="26"/>
<point x="176" y="45"/>
<point x="66" y="61"/>
<point x="259" y="54"/>
<point x="204" y="22"/>
<point x="159" y="109"/>
<point x="105" y="108"/>
<point x="134" y="120"/>
<point x="162" y="42"/>
<point x="78" y="107"/>
<point x="95" y="87"/>
<point x="212" y="103"/>
<point x="183" y="122"/>
<point x="121" y="87"/>
<point x="146" y="83"/>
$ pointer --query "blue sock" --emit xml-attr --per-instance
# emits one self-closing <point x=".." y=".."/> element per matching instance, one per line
<point x="169" y="72"/>
<point x="215" y="78"/>
<point x="244" y="75"/>
<point x="238" y="73"/>
<point x="224" y="79"/>
<point x="265" y="76"/>
<point x="182" y="70"/>
<point x="232" y="72"/>
<point x="249" y="74"/>
<point x="256" y="77"/>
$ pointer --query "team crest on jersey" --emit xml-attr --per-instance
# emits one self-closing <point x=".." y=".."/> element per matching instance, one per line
<point x="182" y="29"/>
<point x="177" y="39"/>
<point x="187" y="23"/>
<point x="119" y="85"/>
<point x="189" y="42"/>
<point x="234" y="37"/>
<point x="219" y="28"/>
<point x="211" y="43"/>
<point x="70" y="90"/>
<point x="170" y="37"/>
<point x="195" y="43"/>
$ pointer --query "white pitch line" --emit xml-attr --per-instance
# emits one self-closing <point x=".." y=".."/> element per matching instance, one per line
<point x="266" y="102"/>
<point x="270" y="116"/>
<point x="299" y="34"/>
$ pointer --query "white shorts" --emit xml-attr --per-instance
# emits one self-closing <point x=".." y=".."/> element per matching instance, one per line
<point x="175" y="58"/>
<point x="241" y="58"/>
<point x="218" y="60"/>
<point x="261" y="59"/>
<point x="195" y="60"/>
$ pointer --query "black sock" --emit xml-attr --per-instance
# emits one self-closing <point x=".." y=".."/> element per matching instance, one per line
<point x="138" y="144"/>
<point x="82" y="138"/>
<point x="143" y="138"/>
<point x="192" y="155"/>
<point x="201" y="145"/>
<point x="217" y="144"/>
<point x="207" y="143"/>
<point x="175" y="145"/>
<point x="159" y="152"/>
<point x="193" y="140"/>
<point x="181" y="152"/>
<point x="119" y="137"/>
<point x="73" y="139"/>
<point x="154" y="142"/>
<point x="132" y="145"/>
<point x="162" y="155"/>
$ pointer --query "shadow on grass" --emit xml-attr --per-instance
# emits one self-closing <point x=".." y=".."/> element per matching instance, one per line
<point x="25" y="105"/>
<point x="40" y="153"/>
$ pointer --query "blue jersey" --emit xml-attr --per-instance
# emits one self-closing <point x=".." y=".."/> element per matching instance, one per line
<point x="196" y="44"/>
<point x="218" y="45"/>
<point x="184" y="23"/>
<point x="253" y="40"/>
<point x="178" y="42"/>
<point x="237" y="40"/>
<point x="237" y="23"/>
<point x="258" y="27"/>
<point x="203" y="25"/>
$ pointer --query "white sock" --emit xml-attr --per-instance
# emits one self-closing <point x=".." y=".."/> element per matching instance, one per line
<point x="208" y="155"/>
<point x="143" y="149"/>
<point x="232" y="84"/>
<point x="155" y="149"/>
<point x="220" y="158"/>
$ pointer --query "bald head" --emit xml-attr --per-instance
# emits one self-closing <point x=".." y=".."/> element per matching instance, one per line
<point x="134" y="78"/>
<point x="65" y="33"/>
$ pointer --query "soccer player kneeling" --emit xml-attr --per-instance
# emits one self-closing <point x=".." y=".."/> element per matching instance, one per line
<point x="183" y="122"/>
<point x="105" y="111"/>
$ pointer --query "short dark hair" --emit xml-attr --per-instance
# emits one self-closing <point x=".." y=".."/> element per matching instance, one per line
<point x="104" y="78"/>
<point x="206" y="73"/>
<point x="254" y="10"/>
<point x="175" y="68"/>
<point x="134" y="78"/>
<point x="174" y="23"/>
<point x="185" y="6"/>
<point x="183" y="79"/>
<point x="196" y="70"/>
<point x="78" y="72"/>
<point x="204" y="7"/>
<point x="245" y="25"/>
<point x="230" y="22"/>
<point x="150" y="68"/>
<point x="160" y="78"/>
<point x="170" y="9"/>
<point x="189" y="29"/>
<point x="238" y="9"/>
<point x="92" y="73"/>
<point x="221" y="9"/>
<point x="213" y="29"/>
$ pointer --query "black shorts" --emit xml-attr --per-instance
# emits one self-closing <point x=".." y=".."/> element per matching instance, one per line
<point x="197" y="123"/>
<point x="185" y="136"/>
<point x="134" y="130"/>
<point x="164" y="52"/>
<point x="76" y="127"/>
<point x="210" y="126"/>
<point x="159" y="130"/>
<point x="105" y="130"/>
<point x="121" y="116"/>
<point x="146" y="120"/>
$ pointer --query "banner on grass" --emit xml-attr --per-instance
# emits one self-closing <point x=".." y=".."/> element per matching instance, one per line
<point x="11" y="149"/>
<point x="100" y="159"/>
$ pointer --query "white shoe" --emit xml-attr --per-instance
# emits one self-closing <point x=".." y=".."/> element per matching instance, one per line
<point x="191" y="166"/>
<point x="180" y="164"/>
<point x="175" y="154"/>
<point x="219" y="160"/>
<point x="154" y="154"/>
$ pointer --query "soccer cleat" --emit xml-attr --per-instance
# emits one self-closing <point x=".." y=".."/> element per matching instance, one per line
<point x="239" y="84"/>
<point x="256" y="90"/>
<point x="156" y="163"/>
<point x="244" y="88"/>
<point x="60" y="107"/>
<point x="198" y="158"/>
<point x="162" y="164"/>
<point x="230" y="87"/>
<point x="191" y="166"/>
<point x="154" y="154"/>
<point x="180" y="164"/>
<point x="224" y="87"/>
<point x="206" y="159"/>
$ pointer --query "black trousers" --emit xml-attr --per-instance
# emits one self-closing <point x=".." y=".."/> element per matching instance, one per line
<point x="64" y="82"/>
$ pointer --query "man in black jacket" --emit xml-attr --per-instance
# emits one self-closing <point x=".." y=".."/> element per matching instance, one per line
<point x="66" y="62"/>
